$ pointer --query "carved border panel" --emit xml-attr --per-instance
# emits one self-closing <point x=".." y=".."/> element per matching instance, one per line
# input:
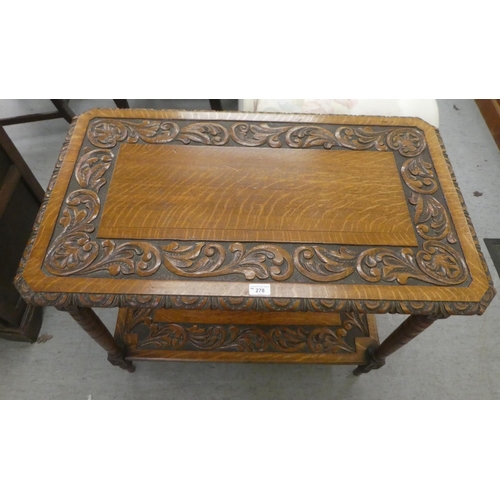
<point x="148" y="334"/>
<point x="76" y="251"/>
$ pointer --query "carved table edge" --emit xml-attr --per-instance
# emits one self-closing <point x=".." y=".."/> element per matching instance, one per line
<point x="19" y="282"/>
<point x="70" y="301"/>
<point x="490" y="291"/>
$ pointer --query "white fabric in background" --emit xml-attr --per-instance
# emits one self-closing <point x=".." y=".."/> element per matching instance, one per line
<point x="426" y="109"/>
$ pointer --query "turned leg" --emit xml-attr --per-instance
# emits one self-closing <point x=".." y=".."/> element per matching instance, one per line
<point x="91" y="323"/>
<point x="408" y="330"/>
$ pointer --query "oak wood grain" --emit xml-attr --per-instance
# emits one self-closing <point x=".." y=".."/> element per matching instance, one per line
<point x="206" y="193"/>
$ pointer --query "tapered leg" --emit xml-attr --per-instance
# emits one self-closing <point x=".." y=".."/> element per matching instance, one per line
<point x="63" y="108"/>
<point x="409" y="329"/>
<point x="91" y="323"/>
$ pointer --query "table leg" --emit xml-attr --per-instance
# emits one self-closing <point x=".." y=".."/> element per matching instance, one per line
<point x="408" y="330"/>
<point x="91" y="323"/>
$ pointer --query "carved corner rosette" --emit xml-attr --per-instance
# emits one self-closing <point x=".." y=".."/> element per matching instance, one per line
<point x="76" y="250"/>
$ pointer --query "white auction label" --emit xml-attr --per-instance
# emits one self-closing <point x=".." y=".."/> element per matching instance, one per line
<point x="264" y="290"/>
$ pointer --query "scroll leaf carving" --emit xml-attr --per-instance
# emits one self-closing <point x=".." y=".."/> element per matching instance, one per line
<point x="419" y="176"/>
<point x="358" y="321"/>
<point x="311" y="135"/>
<point x="245" y="338"/>
<point x="204" y="133"/>
<point x="361" y="138"/>
<point x="91" y="168"/>
<point x="407" y="141"/>
<point x="257" y="135"/>
<point x="436" y="263"/>
<point x="123" y="259"/>
<point x="204" y="260"/>
<point x="106" y="132"/>
<point x="73" y="251"/>
<point x="321" y="264"/>
<point x="326" y="340"/>
<point x="431" y="219"/>
<point x="442" y="262"/>
<point x="76" y="253"/>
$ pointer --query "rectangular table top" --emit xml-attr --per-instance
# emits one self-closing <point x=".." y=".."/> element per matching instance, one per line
<point x="188" y="209"/>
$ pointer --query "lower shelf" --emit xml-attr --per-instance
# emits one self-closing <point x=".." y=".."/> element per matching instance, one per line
<point x="248" y="336"/>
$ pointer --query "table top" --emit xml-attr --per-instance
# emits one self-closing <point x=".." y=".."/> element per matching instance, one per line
<point x="183" y="209"/>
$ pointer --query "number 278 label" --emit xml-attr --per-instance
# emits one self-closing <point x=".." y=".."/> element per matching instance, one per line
<point x="264" y="290"/>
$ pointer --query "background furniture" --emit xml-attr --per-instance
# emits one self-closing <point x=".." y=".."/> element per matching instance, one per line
<point x="427" y="109"/>
<point x="20" y="199"/>
<point x="63" y="111"/>
<point x="490" y="109"/>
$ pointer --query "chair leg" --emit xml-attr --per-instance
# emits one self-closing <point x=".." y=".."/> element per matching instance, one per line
<point x="63" y="108"/>
<point x="121" y="103"/>
<point x="216" y="104"/>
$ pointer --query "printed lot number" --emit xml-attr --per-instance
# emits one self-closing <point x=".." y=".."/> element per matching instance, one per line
<point x="263" y="290"/>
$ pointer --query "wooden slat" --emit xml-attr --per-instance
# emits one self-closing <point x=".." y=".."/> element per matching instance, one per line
<point x="246" y="317"/>
<point x="21" y="165"/>
<point x="36" y="117"/>
<point x="7" y="188"/>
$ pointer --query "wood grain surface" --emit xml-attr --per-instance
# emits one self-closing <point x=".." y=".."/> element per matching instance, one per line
<point x="207" y="193"/>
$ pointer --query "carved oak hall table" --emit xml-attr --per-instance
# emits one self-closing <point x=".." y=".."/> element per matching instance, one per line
<point x="253" y="237"/>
